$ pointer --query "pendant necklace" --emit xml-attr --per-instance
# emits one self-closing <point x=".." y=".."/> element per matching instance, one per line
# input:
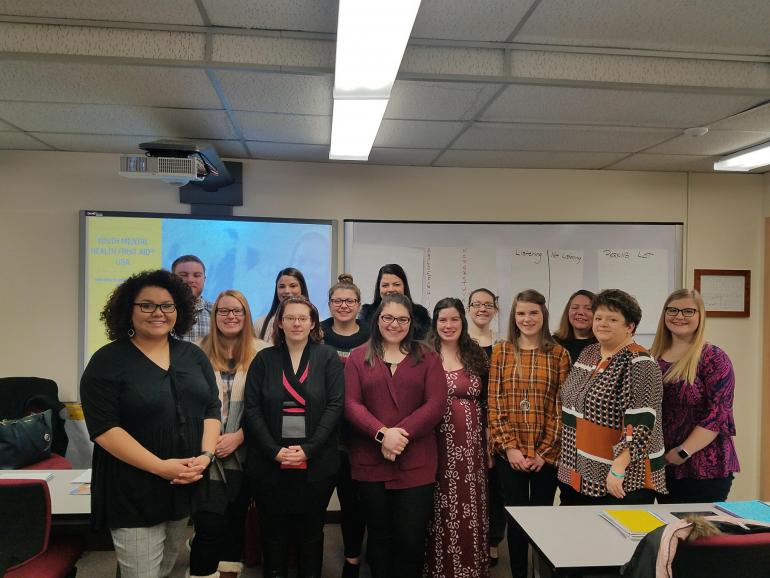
<point x="524" y="405"/>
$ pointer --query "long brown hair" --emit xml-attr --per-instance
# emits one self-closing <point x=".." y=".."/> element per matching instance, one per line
<point x="279" y="337"/>
<point x="565" y="330"/>
<point x="471" y="354"/>
<point x="546" y="342"/>
<point x="409" y="345"/>
<point x="687" y="367"/>
<point x="213" y="344"/>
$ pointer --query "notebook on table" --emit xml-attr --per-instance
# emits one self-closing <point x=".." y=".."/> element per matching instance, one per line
<point x="633" y="524"/>
<point x="749" y="509"/>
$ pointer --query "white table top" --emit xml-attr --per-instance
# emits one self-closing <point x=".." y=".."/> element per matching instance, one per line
<point x="62" y="502"/>
<point x="577" y="537"/>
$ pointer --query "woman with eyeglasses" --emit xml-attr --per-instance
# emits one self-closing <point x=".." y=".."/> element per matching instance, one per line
<point x="395" y="395"/>
<point x="391" y="279"/>
<point x="575" y="331"/>
<point x="294" y="402"/>
<point x="525" y="376"/>
<point x="698" y="391"/>
<point x="458" y="534"/>
<point x="230" y="346"/>
<point x="343" y="332"/>
<point x="289" y="282"/>
<point x="482" y="310"/>
<point x="152" y="409"/>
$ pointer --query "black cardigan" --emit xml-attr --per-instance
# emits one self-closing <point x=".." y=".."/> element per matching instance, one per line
<point x="325" y="387"/>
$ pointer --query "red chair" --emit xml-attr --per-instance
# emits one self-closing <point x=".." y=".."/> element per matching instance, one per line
<point x="724" y="556"/>
<point x="27" y="548"/>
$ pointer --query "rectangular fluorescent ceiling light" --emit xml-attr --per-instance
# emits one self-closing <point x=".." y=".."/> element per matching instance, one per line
<point x="354" y="127"/>
<point x="745" y="160"/>
<point x="371" y="40"/>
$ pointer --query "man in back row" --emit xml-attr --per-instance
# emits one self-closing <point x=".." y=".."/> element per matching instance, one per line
<point x="193" y="272"/>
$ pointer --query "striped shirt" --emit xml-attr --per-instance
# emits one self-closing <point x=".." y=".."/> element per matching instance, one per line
<point x="536" y="430"/>
<point x="609" y="406"/>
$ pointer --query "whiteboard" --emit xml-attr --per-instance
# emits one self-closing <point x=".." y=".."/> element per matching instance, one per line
<point x="451" y="259"/>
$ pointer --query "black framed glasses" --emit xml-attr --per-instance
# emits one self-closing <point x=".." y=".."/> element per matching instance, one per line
<point x="687" y="312"/>
<point x="339" y="302"/>
<point x="388" y="319"/>
<point x="147" y="307"/>
<point x="480" y="305"/>
<point x="224" y="311"/>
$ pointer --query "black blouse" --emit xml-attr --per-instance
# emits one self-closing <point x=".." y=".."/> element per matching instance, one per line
<point x="163" y="410"/>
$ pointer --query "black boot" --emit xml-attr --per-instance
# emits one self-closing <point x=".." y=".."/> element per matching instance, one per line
<point x="350" y="570"/>
<point x="311" y="556"/>
<point x="275" y="562"/>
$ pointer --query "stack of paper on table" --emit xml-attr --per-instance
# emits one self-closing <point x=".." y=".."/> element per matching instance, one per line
<point x="750" y="510"/>
<point x="633" y="524"/>
<point x="25" y="475"/>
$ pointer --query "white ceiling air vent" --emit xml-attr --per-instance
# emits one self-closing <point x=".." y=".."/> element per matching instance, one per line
<point x="170" y="169"/>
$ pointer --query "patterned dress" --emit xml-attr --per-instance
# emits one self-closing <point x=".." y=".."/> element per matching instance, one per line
<point x="458" y="541"/>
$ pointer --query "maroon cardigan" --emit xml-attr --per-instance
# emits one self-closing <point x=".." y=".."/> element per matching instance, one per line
<point x="414" y="399"/>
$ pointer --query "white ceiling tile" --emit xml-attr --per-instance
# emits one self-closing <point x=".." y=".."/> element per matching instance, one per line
<point x="166" y="12"/>
<point x="567" y="105"/>
<point x="666" y="163"/>
<point x="299" y="129"/>
<point x="100" y="143"/>
<point x="756" y="119"/>
<point x="288" y="151"/>
<point x="739" y="26"/>
<point x="492" y="20"/>
<point x="104" y="119"/>
<point x="526" y="159"/>
<point x="273" y="92"/>
<point x="416" y="133"/>
<point x="304" y="15"/>
<point x="495" y="136"/>
<point x="106" y="84"/>
<point x="20" y="141"/>
<point x="715" y="142"/>
<point x="404" y="156"/>
<point x="437" y="100"/>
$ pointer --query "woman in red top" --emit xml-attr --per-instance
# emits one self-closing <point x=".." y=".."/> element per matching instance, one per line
<point x="395" y="396"/>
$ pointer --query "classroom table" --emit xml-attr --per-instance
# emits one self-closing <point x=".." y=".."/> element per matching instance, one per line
<point x="63" y="504"/>
<point x="575" y="539"/>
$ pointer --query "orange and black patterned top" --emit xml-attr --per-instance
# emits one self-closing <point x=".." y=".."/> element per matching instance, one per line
<point x="610" y="405"/>
<point x="524" y="406"/>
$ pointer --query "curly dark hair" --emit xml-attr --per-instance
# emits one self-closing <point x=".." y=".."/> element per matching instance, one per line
<point x="279" y="337"/>
<point x="474" y="358"/>
<point x="119" y="308"/>
<point x="622" y="302"/>
<point x="409" y="345"/>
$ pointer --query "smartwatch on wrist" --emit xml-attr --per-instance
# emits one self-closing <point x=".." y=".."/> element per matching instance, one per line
<point x="682" y="453"/>
<point x="379" y="437"/>
<point x="210" y="455"/>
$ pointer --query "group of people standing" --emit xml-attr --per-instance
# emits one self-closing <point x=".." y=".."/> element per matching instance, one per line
<point x="427" y="425"/>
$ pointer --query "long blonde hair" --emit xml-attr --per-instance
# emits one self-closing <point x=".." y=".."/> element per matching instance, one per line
<point x="685" y="368"/>
<point x="245" y="346"/>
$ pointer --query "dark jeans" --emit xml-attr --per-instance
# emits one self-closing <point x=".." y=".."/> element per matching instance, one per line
<point x="496" y="509"/>
<point x="691" y="491"/>
<point x="219" y="537"/>
<point x="352" y="521"/>
<point x="397" y="521"/>
<point x="569" y="497"/>
<point x="523" y="489"/>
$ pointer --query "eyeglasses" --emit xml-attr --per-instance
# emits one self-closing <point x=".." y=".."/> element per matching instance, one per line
<point x="388" y="319"/>
<point x="147" y="307"/>
<point x="686" y="312"/>
<point x="338" y="302"/>
<point x="291" y="319"/>
<point x="224" y="312"/>
<point x="480" y="305"/>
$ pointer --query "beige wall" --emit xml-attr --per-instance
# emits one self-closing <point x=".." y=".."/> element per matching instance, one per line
<point x="41" y="194"/>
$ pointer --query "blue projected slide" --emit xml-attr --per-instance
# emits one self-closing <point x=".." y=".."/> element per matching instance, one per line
<point x="242" y="254"/>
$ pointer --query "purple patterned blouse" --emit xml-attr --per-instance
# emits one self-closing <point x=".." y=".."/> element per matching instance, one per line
<point x="708" y="403"/>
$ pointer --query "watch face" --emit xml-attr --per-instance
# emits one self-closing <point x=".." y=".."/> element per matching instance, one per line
<point x="683" y="454"/>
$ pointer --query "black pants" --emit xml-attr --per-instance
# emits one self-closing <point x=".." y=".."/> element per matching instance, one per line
<point x="397" y="521"/>
<point x="569" y="497"/>
<point x="691" y="491"/>
<point x="523" y="489"/>
<point x="352" y="521"/>
<point x="496" y="509"/>
<point x="219" y="537"/>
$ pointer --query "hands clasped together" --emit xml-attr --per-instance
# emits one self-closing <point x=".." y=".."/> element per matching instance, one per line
<point x="521" y="463"/>
<point x="293" y="456"/>
<point x="394" y="442"/>
<point x="183" y="471"/>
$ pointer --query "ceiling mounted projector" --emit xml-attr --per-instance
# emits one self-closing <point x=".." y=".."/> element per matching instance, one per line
<point x="177" y="162"/>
